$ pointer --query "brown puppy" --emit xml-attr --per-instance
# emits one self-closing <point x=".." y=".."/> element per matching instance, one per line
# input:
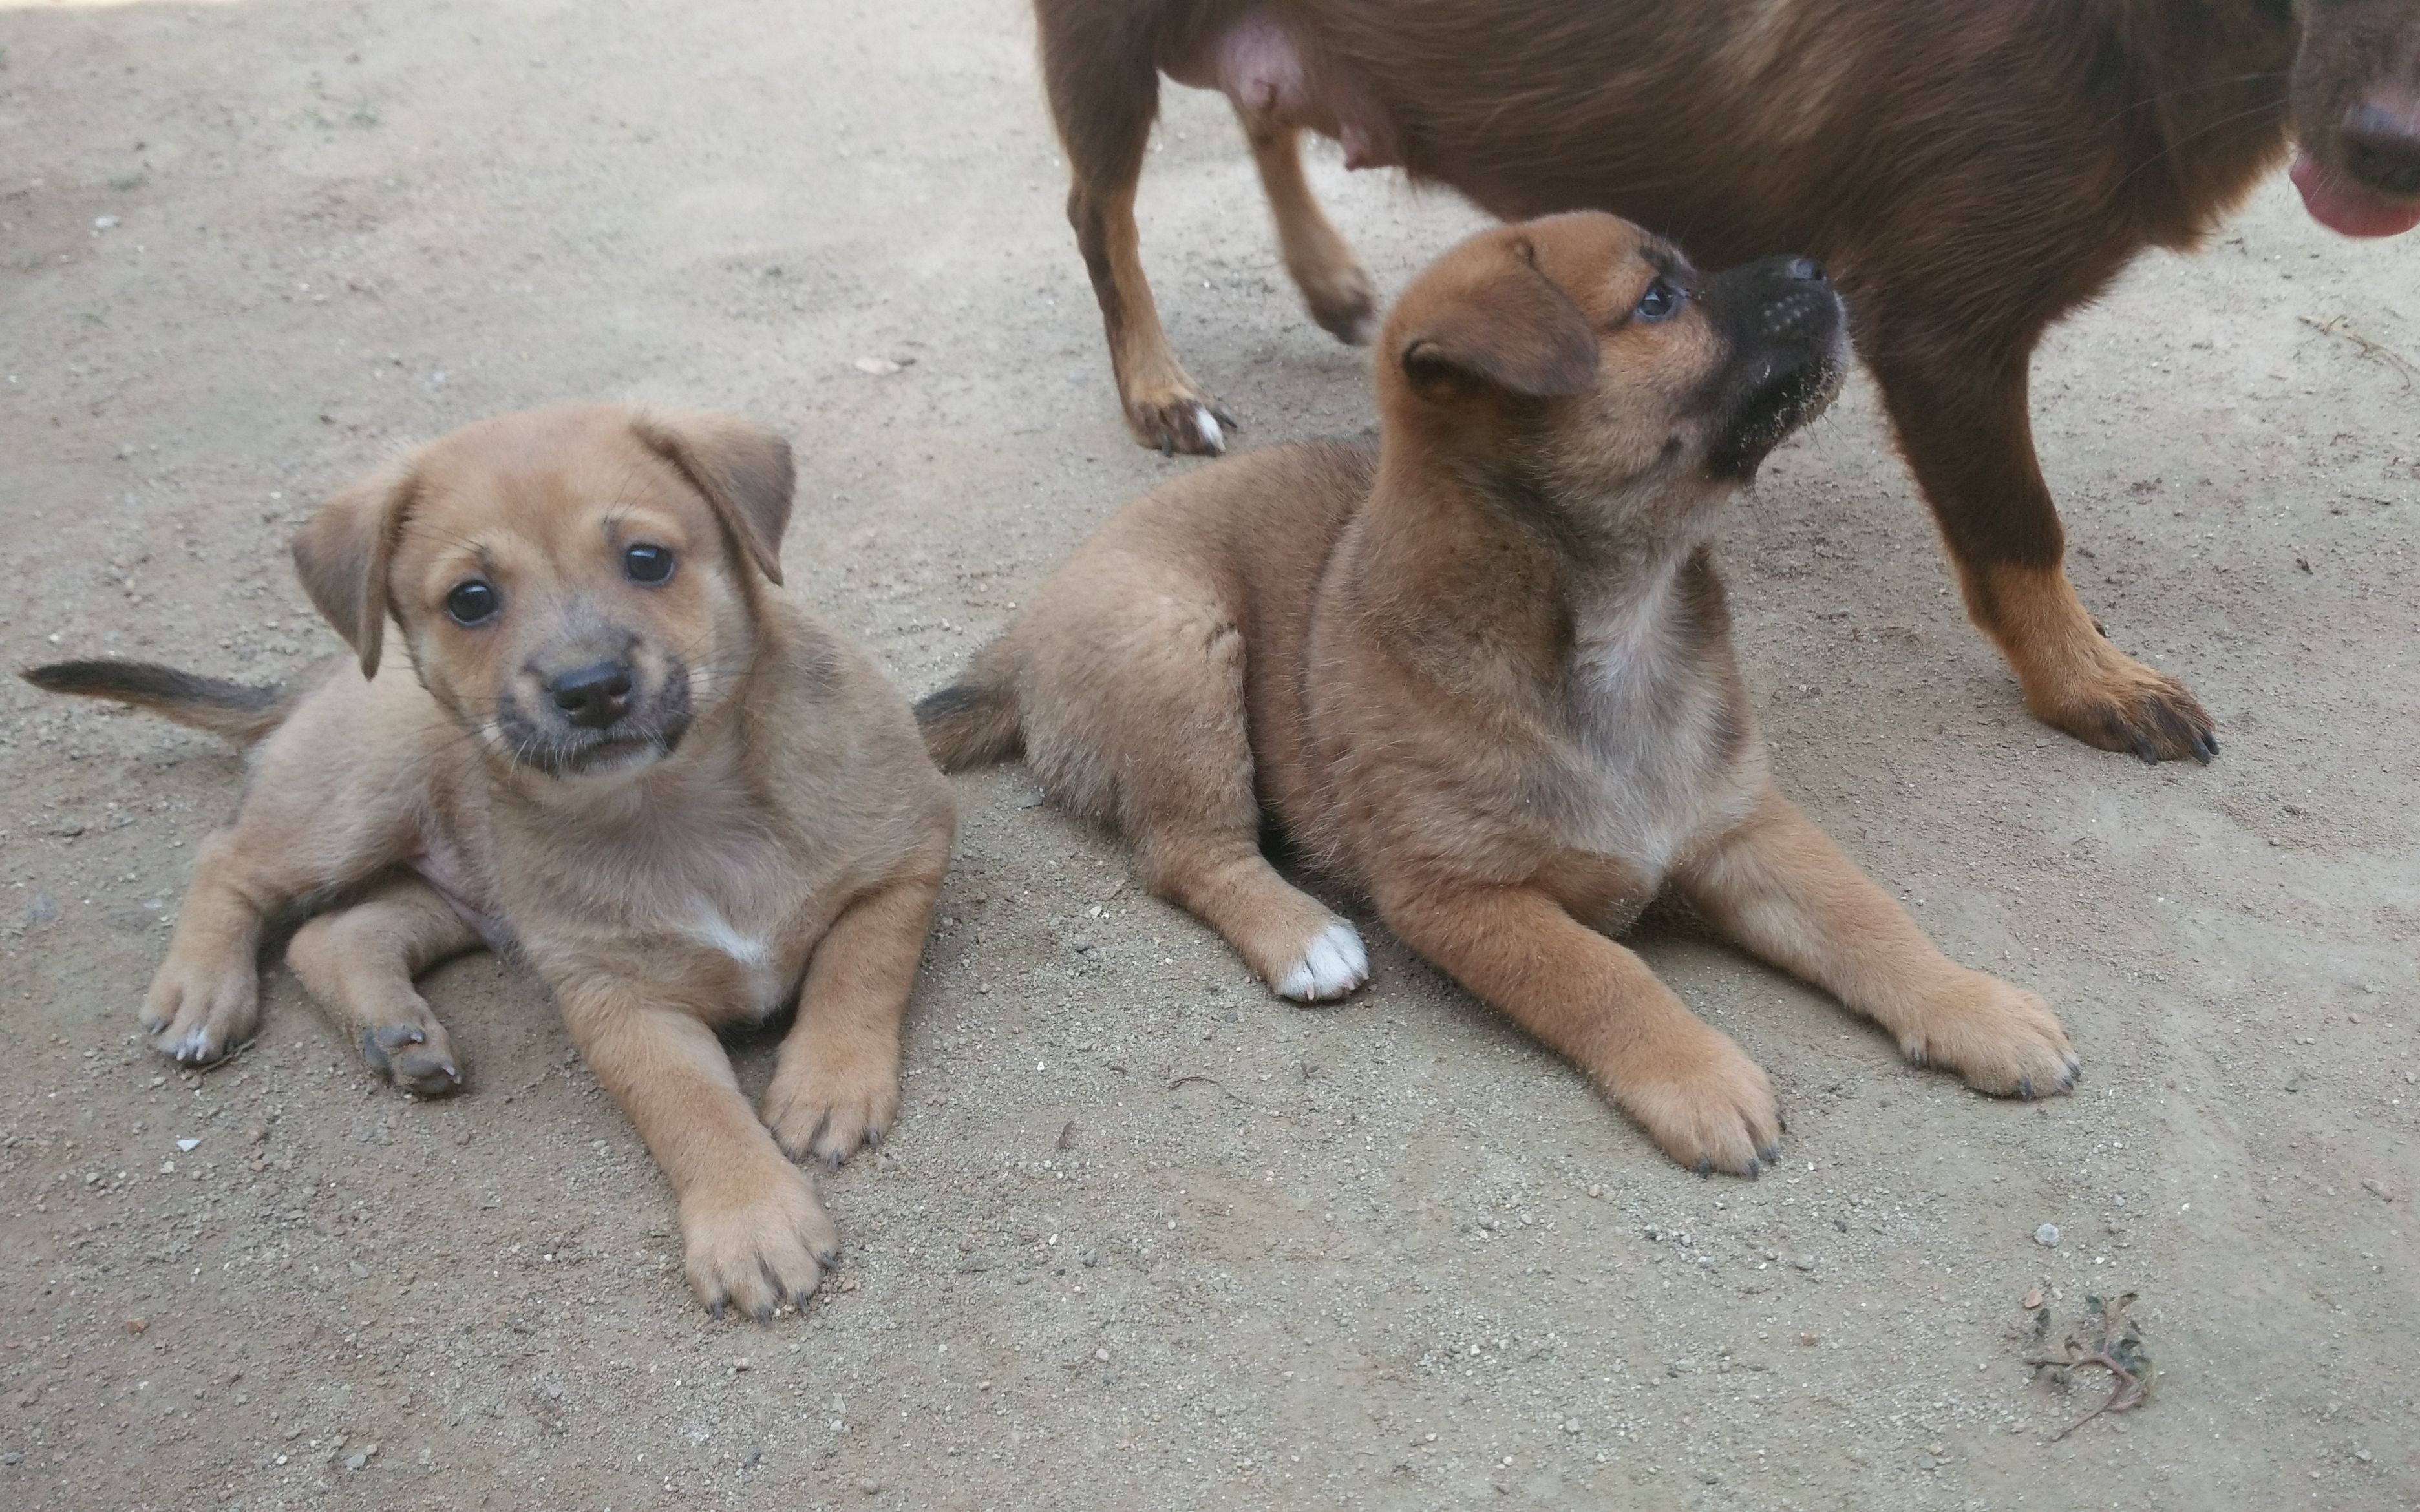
<point x="1972" y="169"/>
<point x="611" y="748"/>
<point x="1482" y="672"/>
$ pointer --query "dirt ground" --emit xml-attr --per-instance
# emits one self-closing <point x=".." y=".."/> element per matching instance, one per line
<point x="1146" y="1237"/>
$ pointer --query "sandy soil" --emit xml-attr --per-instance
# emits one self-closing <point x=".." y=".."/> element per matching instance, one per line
<point x="1147" y="1237"/>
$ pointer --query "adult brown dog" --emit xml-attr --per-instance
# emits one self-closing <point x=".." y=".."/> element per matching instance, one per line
<point x="614" y="750"/>
<point x="1482" y="672"/>
<point x="1971" y="169"/>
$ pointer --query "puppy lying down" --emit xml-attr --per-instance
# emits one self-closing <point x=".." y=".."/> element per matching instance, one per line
<point x="1481" y="672"/>
<point x="609" y="747"/>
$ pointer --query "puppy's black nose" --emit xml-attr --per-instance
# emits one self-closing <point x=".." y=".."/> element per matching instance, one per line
<point x="1807" y="270"/>
<point x="593" y="697"/>
<point x="2383" y="148"/>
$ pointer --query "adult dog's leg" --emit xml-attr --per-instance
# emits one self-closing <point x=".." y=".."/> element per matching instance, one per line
<point x="1695" y="1093"/>
<point x="1334" y="289"/>
<point x="1104" y="87"/>
<point x="752" y="1232"/>
<point x="837" y="1084"/>
<point x="1962" y="421"/>
<point x="358" y="962"/>
<point x="1779" y="887"/>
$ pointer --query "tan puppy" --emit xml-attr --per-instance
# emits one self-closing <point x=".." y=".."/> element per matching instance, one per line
<point x="609" y="747"/>
<point x="1481" y="671"/>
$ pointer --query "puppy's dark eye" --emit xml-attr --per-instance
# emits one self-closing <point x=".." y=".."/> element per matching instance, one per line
<point x="472" y="602"/>
<point x="645" y="564"/>
<point x="1661" y="302"/>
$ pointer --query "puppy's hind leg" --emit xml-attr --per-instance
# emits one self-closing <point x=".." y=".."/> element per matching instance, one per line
<point x="1173" y="765"/>
<point x="1104" y="86"/>
<point x="1334" y="289"/>
<point x="1779" y="887"/>
<point x="358" y="962"/>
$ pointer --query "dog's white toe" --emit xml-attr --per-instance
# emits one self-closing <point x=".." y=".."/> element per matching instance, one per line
<point x="1333" y="964"/>
<point x="1214" y="439"/>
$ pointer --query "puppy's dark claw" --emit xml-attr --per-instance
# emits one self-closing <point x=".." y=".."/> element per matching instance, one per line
<point x="718" y="1306"/>
<point x="829" y="1259"/>
<point x="1770" y="1154"/>
<point x="1705" y="1165"/>
<point x="396" y="1036"/>
<point x="2025" y="1088"/>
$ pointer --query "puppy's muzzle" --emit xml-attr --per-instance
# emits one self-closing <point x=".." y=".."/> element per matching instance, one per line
<point x="1787" y="334"/>
<point x="576" y="713"/>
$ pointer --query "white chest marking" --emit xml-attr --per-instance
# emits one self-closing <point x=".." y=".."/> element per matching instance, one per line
<point x="1647" y="721"/>
<point x="753" y="952"/>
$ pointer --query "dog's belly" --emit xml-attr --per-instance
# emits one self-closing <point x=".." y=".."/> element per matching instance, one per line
<point x="1261" y="65"/>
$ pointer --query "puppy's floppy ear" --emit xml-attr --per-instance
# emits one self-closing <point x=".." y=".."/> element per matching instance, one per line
<point x="341" y="554"/>
<point x="1502" y="324"/>
<point x="743" y="469"/>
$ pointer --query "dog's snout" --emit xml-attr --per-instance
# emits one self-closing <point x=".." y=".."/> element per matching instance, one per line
<point x="1805" y="270"/>
<point x="594" y="696"/>
<point x="2382" y="148"/>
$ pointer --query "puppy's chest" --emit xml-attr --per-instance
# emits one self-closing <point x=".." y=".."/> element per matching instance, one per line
<point x="729" y="924"/>
<point x="760" y="957"/>
<point x="1655" y="758"/>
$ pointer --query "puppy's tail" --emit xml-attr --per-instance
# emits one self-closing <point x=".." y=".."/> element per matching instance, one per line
<point x="242" y="712"/>
<point x="973" y="721"/>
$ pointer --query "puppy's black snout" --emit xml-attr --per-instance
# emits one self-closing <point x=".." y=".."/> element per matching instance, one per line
<point x="1805" y="270"/>
<point x="593" y="697"/>
<point x="2383" y="148"/>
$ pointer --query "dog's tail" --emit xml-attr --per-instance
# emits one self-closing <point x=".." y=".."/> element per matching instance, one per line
<point x="242" y="712"/>
<point x="975" y="722"/>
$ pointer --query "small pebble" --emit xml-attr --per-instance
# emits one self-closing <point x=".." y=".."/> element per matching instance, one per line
<point x="1081" y="944"/>
<point x="870" y="1487"/>
<point x="189" y="1145"/>
<point x="2047" y="1236"/>
<point x="136" y="1326"/>
<point x="1804" y="1262"/>
<point x="2033" y="1300"/>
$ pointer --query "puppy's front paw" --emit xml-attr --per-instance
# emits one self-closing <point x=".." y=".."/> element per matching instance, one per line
<point x="1699" y="1096"/>
<point x="200" y="1009"/>
<point x="823" y="1106"/>
<point x="414" y="1055"/>
<point x="754" y="1245"/>
<point x="2001" y="1038"/>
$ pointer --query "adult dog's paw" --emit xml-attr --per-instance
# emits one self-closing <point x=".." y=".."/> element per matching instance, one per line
<point x="2117" y="704"/>
<point x="754" y="1245"/>
<point x="1178" y="418"/>
<point x="2001" y="1038"/>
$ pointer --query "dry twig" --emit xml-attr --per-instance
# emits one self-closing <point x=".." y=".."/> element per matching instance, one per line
<point x="2118" y="1350"/>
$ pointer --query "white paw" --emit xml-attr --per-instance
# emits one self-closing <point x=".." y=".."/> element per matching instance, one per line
<point x="1332" y="965"/>
<point x="1214" y="440"/>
